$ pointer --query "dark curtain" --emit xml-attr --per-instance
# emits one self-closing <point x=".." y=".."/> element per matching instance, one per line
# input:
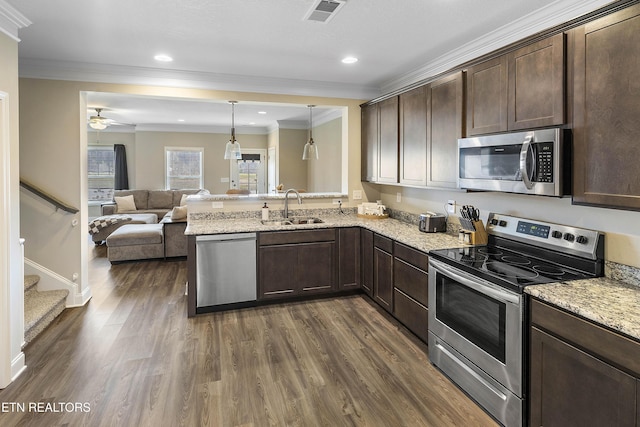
<point x="121" y="175"/>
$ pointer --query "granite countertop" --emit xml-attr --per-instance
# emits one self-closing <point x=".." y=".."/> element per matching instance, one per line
<point x="397" y="230"/>
<point x="609" y="302"/>
<point x="606" y="301"/>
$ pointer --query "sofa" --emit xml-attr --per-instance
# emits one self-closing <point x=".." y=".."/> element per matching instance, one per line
<point x="158" y="202"/>
<point x="162" y="204"/>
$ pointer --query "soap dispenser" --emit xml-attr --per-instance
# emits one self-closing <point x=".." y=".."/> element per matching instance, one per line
<point x="265" y="212"/>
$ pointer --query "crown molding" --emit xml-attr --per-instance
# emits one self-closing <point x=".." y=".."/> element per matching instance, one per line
<point x="557" y="13"/>
<point x="11" y="20"/>
<point x="182" y="128"/>
<point x="117" y="74"/>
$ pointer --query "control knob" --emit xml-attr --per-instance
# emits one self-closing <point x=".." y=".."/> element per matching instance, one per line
<point x="569" y="237"/>
<point x="556" y="234"/>
<point x="502" y="223"/>
<point x="582" y="239"/>
<point x="494" y="221"/>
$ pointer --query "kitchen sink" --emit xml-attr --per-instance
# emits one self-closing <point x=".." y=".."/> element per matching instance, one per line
<point x="292" y="221"/>
<point x="305" y="220"/>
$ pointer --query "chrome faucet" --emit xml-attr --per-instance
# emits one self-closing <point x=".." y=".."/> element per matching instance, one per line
<point x="286" y="201"/>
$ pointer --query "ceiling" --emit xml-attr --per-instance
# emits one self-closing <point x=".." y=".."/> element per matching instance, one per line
<point x="267" y="46"/>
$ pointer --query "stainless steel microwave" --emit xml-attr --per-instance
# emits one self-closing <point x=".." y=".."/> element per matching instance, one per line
<point x="531" y="162"/>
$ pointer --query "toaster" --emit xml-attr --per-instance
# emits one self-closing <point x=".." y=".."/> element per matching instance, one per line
<point x="432" y="222"/>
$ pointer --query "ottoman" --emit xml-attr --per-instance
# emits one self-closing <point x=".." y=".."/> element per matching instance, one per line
<point x="136" y="241"/>
<point x="135" y="219"/>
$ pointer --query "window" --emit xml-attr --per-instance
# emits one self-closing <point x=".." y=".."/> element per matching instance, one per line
<point x="101" y="170"/>
<point x="183" y="168"/>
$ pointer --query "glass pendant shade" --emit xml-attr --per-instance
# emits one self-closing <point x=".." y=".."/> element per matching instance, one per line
<point x="310" y="148"/>
<point x="310" y="151"/>
<point x="232" y="150"/>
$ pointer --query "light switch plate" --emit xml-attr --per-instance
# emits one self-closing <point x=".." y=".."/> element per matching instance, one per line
<point x="216" y="205"/>
<point x="357" y="194"/>
<point x="224" y="179"/>
<point x="398" y="197"/>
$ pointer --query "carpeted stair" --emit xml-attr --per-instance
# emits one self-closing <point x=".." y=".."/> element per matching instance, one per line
<point x="40" y="308"/>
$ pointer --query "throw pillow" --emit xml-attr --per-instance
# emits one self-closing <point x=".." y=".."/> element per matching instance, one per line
<point x="183" y="200"/>
<point x="125" y="203"/>
<point x="179" y="212"/>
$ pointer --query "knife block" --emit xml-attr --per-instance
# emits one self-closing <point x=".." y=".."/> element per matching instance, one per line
<point x="478" y="236"/>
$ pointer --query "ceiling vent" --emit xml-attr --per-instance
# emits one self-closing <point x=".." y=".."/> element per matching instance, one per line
<point x="323" y="10"/>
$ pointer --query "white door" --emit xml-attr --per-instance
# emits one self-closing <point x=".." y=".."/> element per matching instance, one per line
<point x="249" y="172"/>
<point x="271" y="170"/>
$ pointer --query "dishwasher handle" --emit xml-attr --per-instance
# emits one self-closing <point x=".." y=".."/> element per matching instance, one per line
<point x="225" y="237"/>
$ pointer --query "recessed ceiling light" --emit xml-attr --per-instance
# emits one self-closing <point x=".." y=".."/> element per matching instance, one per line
<point x="349" y="60"/>
<point x="163" y="58"/>
<point x="262" y="112"/>
<point x="181" y="120"/>
<point x="252" y="123"/>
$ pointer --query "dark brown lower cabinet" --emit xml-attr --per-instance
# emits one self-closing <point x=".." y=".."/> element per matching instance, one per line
<point x="366" y="259"/>
<point x="410" y="281"/>
<point x="349" y="258"/>
<point x="383" y="272"/>
<point x="293" y="263"/>
<point x="580" y="373"/>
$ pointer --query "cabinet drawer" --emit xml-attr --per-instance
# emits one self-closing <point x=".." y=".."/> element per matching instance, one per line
<point x="383" y="243"/>
<point x="411" y="313"/>
<point x="411" y="280"/>
<point x="609" y="346"/>
<point x="297" y="236"/>
<point x="411" y="256"/>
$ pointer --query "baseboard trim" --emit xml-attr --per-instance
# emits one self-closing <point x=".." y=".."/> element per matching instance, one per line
<point x="18" y="366"/>
<point x="51" y="281"/>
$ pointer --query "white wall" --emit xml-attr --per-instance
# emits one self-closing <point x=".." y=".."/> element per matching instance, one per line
<point x="12" y="360"/>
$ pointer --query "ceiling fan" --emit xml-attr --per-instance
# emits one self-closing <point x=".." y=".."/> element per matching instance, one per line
<point x="99" y="122"/>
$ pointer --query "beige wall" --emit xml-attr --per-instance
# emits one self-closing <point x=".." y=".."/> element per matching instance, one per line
<point x="622" y="240"/>
<point x="149" y="170"/>
<point x="11" y="264"/>
<point x="324" y="174"/>
<point x="53" y="155"/>
<point x="293" y="170"/>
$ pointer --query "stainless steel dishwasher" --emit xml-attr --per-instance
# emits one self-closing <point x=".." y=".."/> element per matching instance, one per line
<point x="226" y="269"/>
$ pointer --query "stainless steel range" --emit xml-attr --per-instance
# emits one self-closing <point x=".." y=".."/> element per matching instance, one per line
<point x="477" y="309"/>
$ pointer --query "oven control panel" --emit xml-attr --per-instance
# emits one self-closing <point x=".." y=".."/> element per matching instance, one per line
<point x="579" y="241"/>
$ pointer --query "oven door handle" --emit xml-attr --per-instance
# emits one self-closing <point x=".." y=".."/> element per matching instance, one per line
<point x="524" y="155"/>
<point x="502" y="296"/>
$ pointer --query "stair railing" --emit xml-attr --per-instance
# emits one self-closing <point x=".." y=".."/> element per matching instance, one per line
<point x="57" y="203"/>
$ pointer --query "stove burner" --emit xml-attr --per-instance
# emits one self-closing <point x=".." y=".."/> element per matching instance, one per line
<point x="511" y="259"/>
<point x="549" y="270"/>
<point x="507" y="270"/>
<point x="490" y="251"/>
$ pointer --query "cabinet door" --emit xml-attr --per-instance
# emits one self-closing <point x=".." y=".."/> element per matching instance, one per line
<point x="536" y="84"/>
<point x="606" y="111"/>
<point x="572" y="388"/>
<point x="277" y="271"/>
<point x="446" y="125"/>
<point x="413" y="137"/>
<point x="349" y="258"/>
<point x="487" y="97"/>
<point x="388" y="151"/>
<point x="383" y="278"/>
<point x="315" y="267"/>
<point x="411" y="313"/>
<point x="366" y="242"/>
<point x="369" y="143"/>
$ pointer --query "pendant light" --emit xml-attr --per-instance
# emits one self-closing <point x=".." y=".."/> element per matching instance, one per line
<point x="310" y="148"/>
<point x="232" y="149"/>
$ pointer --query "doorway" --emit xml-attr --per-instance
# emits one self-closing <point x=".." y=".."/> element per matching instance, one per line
<point x="249" y="173"/>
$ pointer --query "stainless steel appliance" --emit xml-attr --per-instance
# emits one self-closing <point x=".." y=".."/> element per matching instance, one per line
<point x="533" y="162"/>
<point x="431" y="222"/>
<point x="477" y="309"/>
<point x="226" y="269"/>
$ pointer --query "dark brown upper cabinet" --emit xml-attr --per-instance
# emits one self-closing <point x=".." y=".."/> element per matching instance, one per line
<point x="520" y="90"/>
<point x="369" y="143"/>
<point x="388" y="145"/>
<point x="445" y="112"/>
<point x="379" y="141"/>
<point x="536" y="84"/>
<point x="487" y="97"/>
<point x="606" y="85"/>
<point x="413" y="137"/>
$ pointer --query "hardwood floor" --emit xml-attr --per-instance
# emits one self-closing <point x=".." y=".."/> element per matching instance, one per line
<point x="131" y="357"/>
